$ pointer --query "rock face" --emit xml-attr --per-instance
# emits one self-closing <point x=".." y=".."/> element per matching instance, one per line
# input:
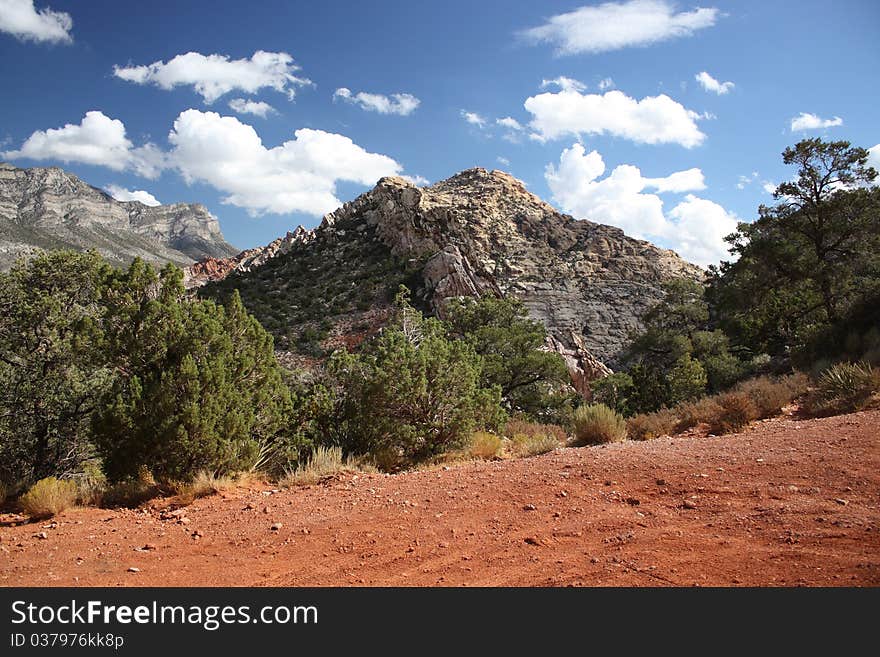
<point x="479" y="232"/>
<point x="48" y="208"/>
<point x="216" y="269"/>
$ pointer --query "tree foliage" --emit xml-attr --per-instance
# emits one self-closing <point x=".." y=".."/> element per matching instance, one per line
<point x="123" y="365"/>
<point x="810" y="261"/>
<point x="52" y="364"/>
<point x="411" y="392"/>
<point x="198" y="385"/>
<point x="678" y="357"/>
<point x="533" y="382"/>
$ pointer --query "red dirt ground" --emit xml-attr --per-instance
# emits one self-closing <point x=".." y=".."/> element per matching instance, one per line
<point x="788" y="502"/>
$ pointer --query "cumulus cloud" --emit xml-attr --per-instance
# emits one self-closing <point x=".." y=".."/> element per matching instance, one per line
<point x="400" y="104"/>
<point x="768" y="186"/>
<point x="97" y="140"/>
<point x="212" y="76"/>
<point x="474" y="119"/>
<point x="564" y="83"/>
<point x="615" y="25"/>
<point x="605" y="84"/>
<point x="257" y="108"/>
<point x="700" y="229"/>
<point x="417" y="180"/>
<point x="711" y="84"/>
<point x="651" y="120"/>
<point x="123" y="194"/>
<point x="807" y="121"/>
<point x="619" y="199"/>
<point x="510" y="123"/>
<point x="22" y="20"/>
<point x="300" y="175"/>
<point x="874" y="161"/>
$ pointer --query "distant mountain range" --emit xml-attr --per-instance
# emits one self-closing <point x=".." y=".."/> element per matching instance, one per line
<point x="49" y="208"/>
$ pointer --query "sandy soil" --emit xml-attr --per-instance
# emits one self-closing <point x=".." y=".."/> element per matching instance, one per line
<point x="788" y="502"/>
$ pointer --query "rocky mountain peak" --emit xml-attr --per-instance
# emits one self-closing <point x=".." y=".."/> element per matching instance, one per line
<point x="477" y="232"/>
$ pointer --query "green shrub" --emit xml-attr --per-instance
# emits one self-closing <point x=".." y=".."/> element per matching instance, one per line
<point x="484" y="445"/>
<point x="49" y="497"/>
<point x="646" y="426"/>
<point x="596" y="424"/>
<point x="846" y="387"/>
<point x="736" y="410"/>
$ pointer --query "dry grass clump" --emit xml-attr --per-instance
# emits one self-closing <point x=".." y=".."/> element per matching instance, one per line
<point x="695" y="413"/>
<point x="324" y="462"/>
<point x="596" y="424"/>
<point x="484" y="445"/>
<point x="205" y="483"/>
<point x="532" y="438"/>
<point x="131" y="492"/>
<point x="525" y="446"/>
<point x="646" y="426"/>
<point x="735" y="411"/>
<point x="48" y="497"/>
<point x="770" y="396"/>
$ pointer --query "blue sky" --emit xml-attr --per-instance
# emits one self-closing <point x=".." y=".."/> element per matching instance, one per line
<point x="600" y="109"/>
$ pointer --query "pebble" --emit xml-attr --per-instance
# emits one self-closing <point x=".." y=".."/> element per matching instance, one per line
<point x="689" y="504"/>
<point x="530" y="507"/>
<point x="42" y="536"/>
<point x="276" y="526"/>
<point x="842" y="502"/>
<point x="134" y="570"/>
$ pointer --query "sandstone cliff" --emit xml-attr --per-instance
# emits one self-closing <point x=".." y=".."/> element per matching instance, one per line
<point x="479" y="232"/>
<point x="48" y="208"/>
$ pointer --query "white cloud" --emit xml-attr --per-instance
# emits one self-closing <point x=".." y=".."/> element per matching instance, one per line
<point x="123" y="194"/>
<point x="503" y="161"/>
<point x="651" y="120"/>
<point x="619" y="199"/>
<point x="257" y="108"/>
<point x="22" y="20"/>
<point x="474" y="119"/>
<point x="615" y="25"/>
<point x="213" y="76"/>
<point x="510" y="123"/>
<point x="807" y="121"/>
<point x="769" y="186"/>
<point x="417" y="180"/>
<point x="605" y="84"/>
<point x="400" y="104"/>
<point x="298" y="176"/>
<point x="744" y="181"/>
<point x="711" y="84"/>
<point x="874" y="161"/>
<point x="97" y="140"/>
<point x="700" y="227"/>
<point x="564" y="83"/>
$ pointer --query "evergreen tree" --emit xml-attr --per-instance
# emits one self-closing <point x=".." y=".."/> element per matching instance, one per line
<point x="412" y="392"/>
<point x="52" y="364"/>
<point x="533" y="381"/>
<point x="810" y="265"/>
<point x="198" y="386"/>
